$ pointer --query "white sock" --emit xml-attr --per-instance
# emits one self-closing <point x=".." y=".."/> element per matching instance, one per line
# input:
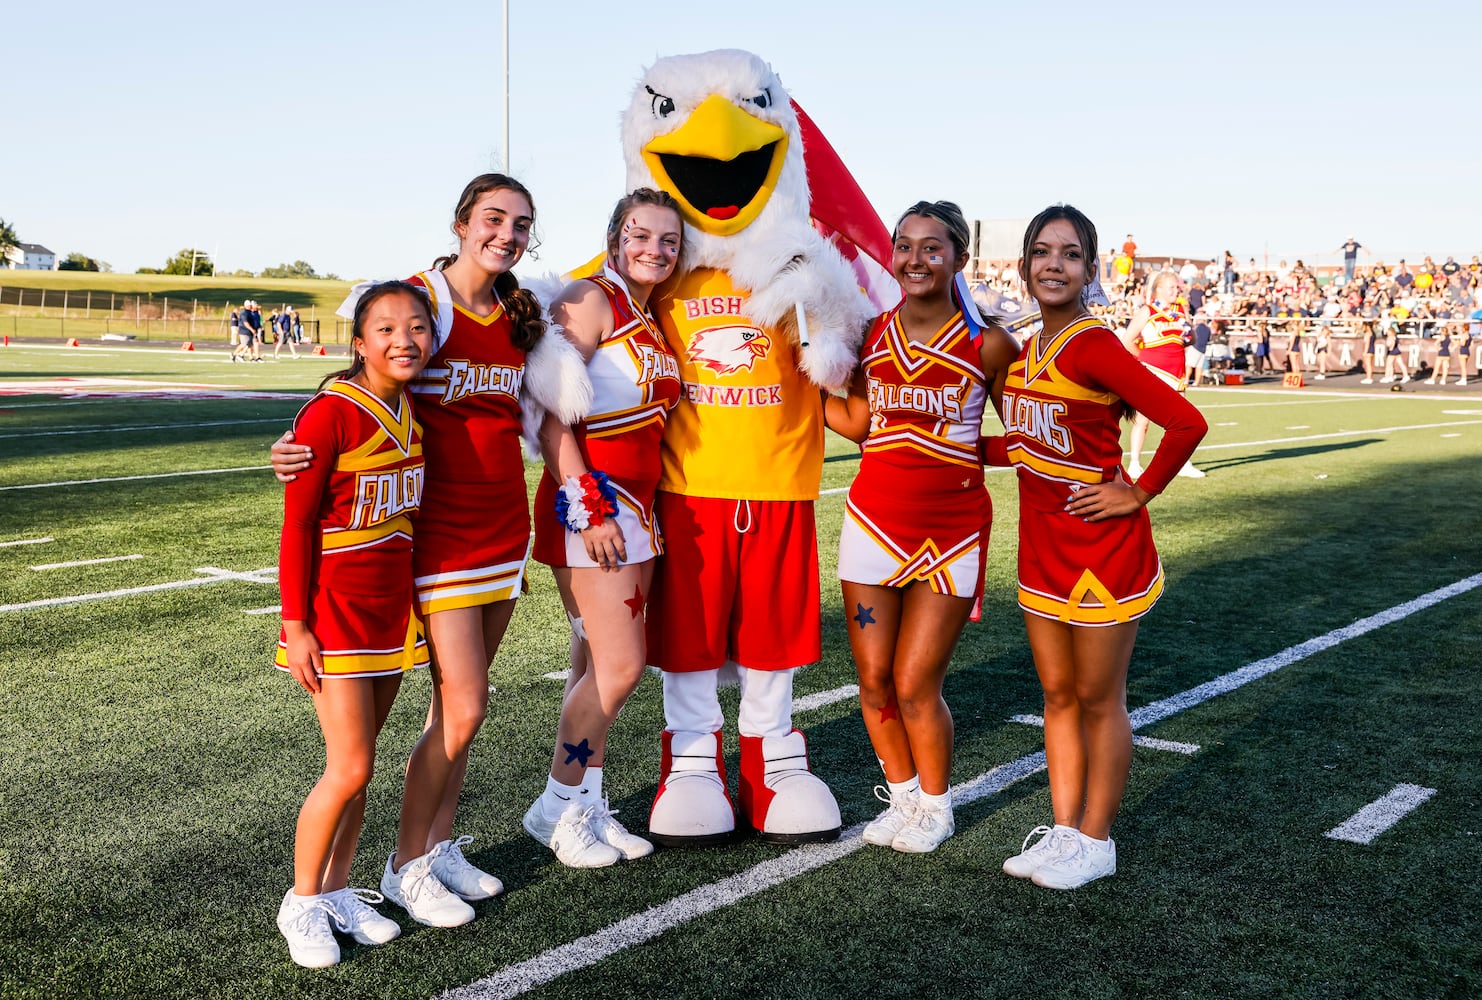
<point x="937" y="803"/>
<point x="556" y="797"/>
<point x="591" y="785"/>
<point x="1100" y="845"/>
<point x="909" y="786"/>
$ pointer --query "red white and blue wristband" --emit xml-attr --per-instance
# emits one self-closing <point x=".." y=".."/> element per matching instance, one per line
<point x="585" y="501"/>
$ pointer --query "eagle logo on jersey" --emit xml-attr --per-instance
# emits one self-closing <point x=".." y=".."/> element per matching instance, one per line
<point x="728" y="349"/>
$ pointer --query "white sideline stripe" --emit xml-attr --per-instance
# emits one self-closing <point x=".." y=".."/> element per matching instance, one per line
<point x="1381" y="814"/>
<point x="86" y="562"/>
<point x="125" y="479"/>
<point x="26" y="541"/>
<point x="1158" y="710"/>
<point x="1149" y="742"/>
<point x="1339" y="434"/>
<point x="514" y="980"/>
<point x="275" y="609"/>
<point x="211" y="575"/>
<point x="149" y="427"/>
<point x="818" y="699"/>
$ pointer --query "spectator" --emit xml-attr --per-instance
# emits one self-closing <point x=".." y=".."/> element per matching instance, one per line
<point x="1350" y="250"/>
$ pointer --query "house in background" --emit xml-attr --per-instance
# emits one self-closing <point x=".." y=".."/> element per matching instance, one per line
<point x="31" y="257"/>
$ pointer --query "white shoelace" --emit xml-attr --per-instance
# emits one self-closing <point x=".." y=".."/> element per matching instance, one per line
<point x="356" y="905"/>
<point x="580" y="826"/>
<point x="604" y="815"/>
<point x="418" y="875"/>
<point x="454" y="859"/>
<point x="303" y="921"/>
<point x="905" y="806"/>
<point x="1046" y="841"/>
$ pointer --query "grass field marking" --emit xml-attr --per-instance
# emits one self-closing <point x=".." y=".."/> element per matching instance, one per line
<point x="1462" y="413"/>
<point x="275" y="609"/>
<point x="1381" y="814"/>
<point x="210" y="574"/>
<point x="1147" y="742"/>
<point x="1339" y="434"/>
<point x="149" y="427"/>
<point x="514" y="980"/>
<point x="125" y="479"/>
<point x="1290" y="401"/>
<point x="26" y="541"/>
<point x="85" y="562"/>
<point x="1453" y="434"/>
<point x="818" y="699"/>
<point x="1225" y="683"/>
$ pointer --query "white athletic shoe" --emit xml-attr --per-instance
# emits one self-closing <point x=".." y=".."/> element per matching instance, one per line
<point x="1189" y="472"/>
<point x="1462" y="380"/>
<point x="1134" y="471"/>
<point x="304" y="924"/>
<point x="884" y="828"/>
<point x="1081" y="862"/>
<point x="461" y="878"/>
<point x="926" y="830"/>
<point x="1387" y="379"/>
<point x="1366" y="381"/>
<point x="416" y="890"/>
<point x="1432" y="381"/>
<point x="1052" y="840"/>
<point x="571" y="837"/>
<point x="354" y="915"/>
<point x="1319" y="376"/>
<point x="1404" y="379"/>
<point x="612" y="833"/>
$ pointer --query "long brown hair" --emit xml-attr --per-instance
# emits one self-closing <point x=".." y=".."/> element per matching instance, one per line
<point x="520" y="304"/>
<point x="949" y="215"/>
<point x="357" y="324"/>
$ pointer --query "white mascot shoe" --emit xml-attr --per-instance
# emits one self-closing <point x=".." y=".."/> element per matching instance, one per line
<point x="692" y="808"/>
<point x="783" y="800"/>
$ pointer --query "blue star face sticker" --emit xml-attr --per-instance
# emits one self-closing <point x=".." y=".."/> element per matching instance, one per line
<point x="866" y="616"/>
<point x="580" y="753"/>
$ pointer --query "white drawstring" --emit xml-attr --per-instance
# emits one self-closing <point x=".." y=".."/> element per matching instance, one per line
<point x="736" y="517"/>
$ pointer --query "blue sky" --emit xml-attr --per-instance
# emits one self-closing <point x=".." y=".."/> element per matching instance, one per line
<point x="341" y="134"/>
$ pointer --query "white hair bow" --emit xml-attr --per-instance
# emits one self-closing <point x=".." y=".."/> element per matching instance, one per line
<point x="347" y="307"/>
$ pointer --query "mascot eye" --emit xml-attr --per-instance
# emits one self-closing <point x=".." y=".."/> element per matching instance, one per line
<point x="662" y="106"/>
<point x="762" y="100"/>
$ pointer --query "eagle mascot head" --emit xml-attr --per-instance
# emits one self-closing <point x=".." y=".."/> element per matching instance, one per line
<point x="720" y="133"/>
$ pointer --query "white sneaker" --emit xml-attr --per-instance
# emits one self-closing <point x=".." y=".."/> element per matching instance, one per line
<point x="461" y="878"/>
<point x="1386" y="379"/>
<point x="1404" y="379"/>
<point x="418" y="891"/>
<point x="926" y="830"/>
<point x="304" y="924"/>
<point x="1319" y="376"/>
<point x="1052" y="840"/>
<point x="615" y="835"/>
<point x="1080" y="862"/>
<point x="354" y="915"/>
<point x="1189" y="472"/>
<point x="884" y="828"/>
<point x="1432" y="381"/>
<point x="1134" y="471"/>
<point x="1366" y="381"/>
<point x="571" y="837"/>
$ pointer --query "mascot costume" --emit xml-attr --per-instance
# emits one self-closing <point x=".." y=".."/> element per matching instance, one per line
<point x="770" y="309"/>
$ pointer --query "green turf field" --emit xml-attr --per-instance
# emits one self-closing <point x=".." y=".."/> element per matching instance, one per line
<point x="153" y="763"/>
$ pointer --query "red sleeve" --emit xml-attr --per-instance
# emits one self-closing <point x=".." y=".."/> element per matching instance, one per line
<point x="317" y="426"/>
<point x="994" y="450"/>
<point x="1107" y="364"/>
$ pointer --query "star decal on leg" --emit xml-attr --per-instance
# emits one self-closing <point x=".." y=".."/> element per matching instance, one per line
<point x="889" y="711"/>
<point x="865" y="616"/>
<point x="580" y="753"/>
<point x="635" y="603"/>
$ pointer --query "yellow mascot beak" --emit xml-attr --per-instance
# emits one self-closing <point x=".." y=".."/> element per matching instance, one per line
<point x="722" y="165"/>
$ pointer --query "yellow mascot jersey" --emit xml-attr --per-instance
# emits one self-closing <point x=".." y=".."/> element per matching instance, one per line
<point x="748" y="425"/>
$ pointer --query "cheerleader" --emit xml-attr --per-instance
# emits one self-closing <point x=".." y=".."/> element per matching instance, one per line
<point x="474" y="534"/>
<point x="594" y="518"/>
<point x="917" y="518"/>
<point x="1157" y="334"/>
<point x="1443" y="358"/>
<point x="345" y="576"/>
<point x="1088" y="569"/>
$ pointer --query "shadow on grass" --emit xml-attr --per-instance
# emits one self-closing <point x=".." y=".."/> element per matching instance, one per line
<point x="1278" y="454"/>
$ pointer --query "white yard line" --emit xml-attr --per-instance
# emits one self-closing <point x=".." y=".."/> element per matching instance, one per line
<point x="818" y="699"/>
<point x="514" y="980"/>
<point x="275" y="609"/>
<point x="26" y="541"/>
<point x="85" y="562"/>
<point x="125" y="479"/>
<point x="117" y="428"/>
<point x="1148" y="742"/>
<point x="1376" y="817"/>
<point x="210" y="574"/>
<point x="1339" y="434"/>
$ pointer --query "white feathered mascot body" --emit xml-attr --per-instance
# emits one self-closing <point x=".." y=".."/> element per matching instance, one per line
<point x="765" y="313"/>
